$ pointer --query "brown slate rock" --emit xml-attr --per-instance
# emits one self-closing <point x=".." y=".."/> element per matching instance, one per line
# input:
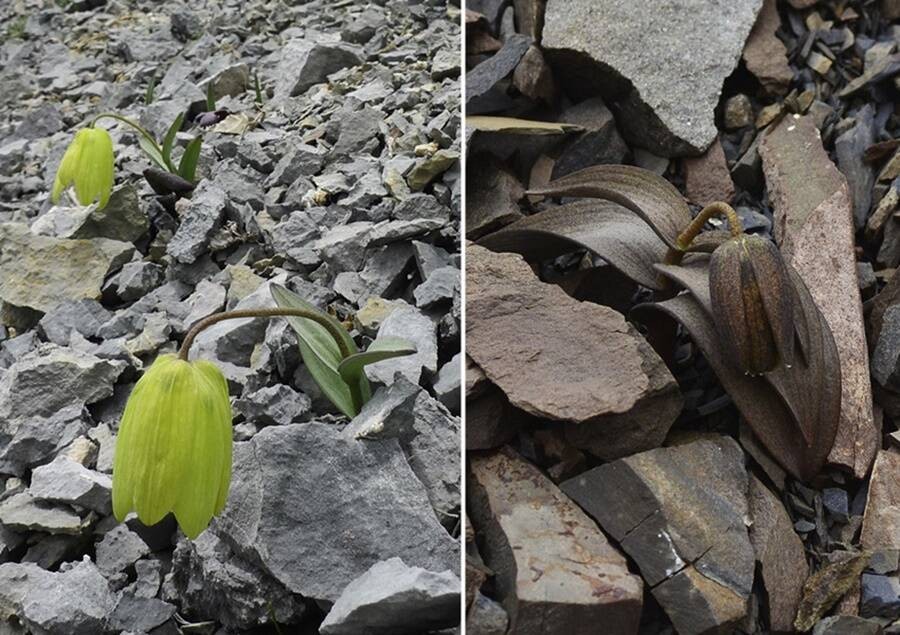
<point x="814" y="228"/>
<point x="600" y="143"/>
<point x="533" y="77"/>
<point x="707" y="178"/>
<point x="560" y="359"/>
<point x="825" y="587"/>
<point x="680" y="513"/>
<point x="780" y="554"/>
<point x="487" y="420"/>
<point x="765" y="55"/>
<point x="881" y="523"/>
<point x="554" y="569"/>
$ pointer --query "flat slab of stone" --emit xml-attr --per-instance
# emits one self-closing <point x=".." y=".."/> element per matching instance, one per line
<point x="40" y="272"/>
<point x="765" y="55"/>
<point x="554" y="569"/>
<point x="680" y="513"/>
<point x="394" y="599"/>
<point x="814" y="228"/>
<point x="306" y="500"/>
<point x="76" y="601"/>
<point x="881" y="523"/>
<point x="780" y="554"/>
<point x="669" y="89"/>
<point x="560" y="359"/>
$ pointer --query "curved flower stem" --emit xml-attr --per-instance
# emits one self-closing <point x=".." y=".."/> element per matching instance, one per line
<point x="685" y="238"/>
<point x="333" y="330"/>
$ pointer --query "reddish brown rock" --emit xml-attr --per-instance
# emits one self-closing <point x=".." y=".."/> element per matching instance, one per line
<point x="814" y="228"/>
<point x="680" y="513"/>
<point x="707" y="178"/>
<point x="554" y="569"/>
<point x="560" y="359"/>
<point x="765" y="55"/>
<point x="780" y="554"/>
<point x="881" y="523"/>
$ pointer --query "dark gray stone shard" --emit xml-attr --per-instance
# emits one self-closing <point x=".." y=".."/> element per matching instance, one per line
<point x="317" y="509"/>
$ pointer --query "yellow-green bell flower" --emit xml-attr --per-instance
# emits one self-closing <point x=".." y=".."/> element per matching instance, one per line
<point x="173" y="451"/>
<point x="88" y="164"/>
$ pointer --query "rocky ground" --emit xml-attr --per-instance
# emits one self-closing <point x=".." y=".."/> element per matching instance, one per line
<point x="611" y="483"/>
<point x="338" y="178"/>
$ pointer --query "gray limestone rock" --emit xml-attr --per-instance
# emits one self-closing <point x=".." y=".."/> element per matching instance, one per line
<point x="304" y="64"/>
<point x="439" y="287"/>
<point x="74" y="601"/>
<point x="428" y="434"/>
<point x="211" y="579"/>
<point x="447" y="387"/>
<point x="84" y="316"/>
<point x="317" y="509"/>
<point x="139" y="614"/>
<point x="119" y="549"/>
<point x="200" y="218"/>
<point x="392" y="598"/>
<point x="137" y="279"/>
<point x="667" y="92"/>
<point x="66" y="481"/>
<point x="274" y="405"/>
<point x="21" y="512"/>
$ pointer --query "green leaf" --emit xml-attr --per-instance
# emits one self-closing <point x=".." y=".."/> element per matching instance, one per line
<point x="188" y="166"/>
<point x="210" y="98"/>
<point x="351" y="368"/>
<point x="322" y="356"/>
<point x="152" y="151"/>
<point x="169" y="141"/>
<point x="151" y="90"/>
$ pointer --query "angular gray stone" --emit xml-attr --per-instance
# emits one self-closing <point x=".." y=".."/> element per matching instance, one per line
<point x="439" y="287"/>
<point x="200" y="218"/>
<point x="448" y="386"/>
<point x="274" y="405"/>
<point x="849" y="148"/>
<point x="22" y="513"/>
<point x="211" y="579"/>
<point x="551" y="563"/>
<point x="66" y="481"/>
<point x="27" y="439"/>
<point x="486" y="75"/>
<point x="84" y="316"/>
<point x="668" y="91"/>
<point x="680" y="513"/>
<point x="304" y="64"/>
<point x="119" y="549"/>
<point x="347" y="505"/>
<point x="298" y="160"/>
<point x="393" y="598"/>
<point x="137" y="279"/>
<point x="847" y="625"/>
<point x="416" y="327"/>
<point x="879" y="596"/>
<point x="429" y="435"/>
<point x="139" y="614"/>
<point x="74" y="601"/>
<point x="486" y="617"/>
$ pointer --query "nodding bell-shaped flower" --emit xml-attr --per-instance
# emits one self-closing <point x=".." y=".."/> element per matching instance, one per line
<point x="88" y="164"/>
<point x="173" y="451"/>
<point x="752" y="301"/>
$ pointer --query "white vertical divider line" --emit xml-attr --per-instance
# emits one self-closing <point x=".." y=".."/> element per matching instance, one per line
<point x="463" y="156"/>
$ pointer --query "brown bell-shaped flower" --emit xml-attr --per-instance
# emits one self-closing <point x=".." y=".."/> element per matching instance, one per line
<point x="752" y="301"/>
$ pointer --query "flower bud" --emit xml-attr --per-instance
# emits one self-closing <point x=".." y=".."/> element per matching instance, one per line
<point x="752" y="303"/>
<point x="88" y="164"/>
<point x="173" y="451"/>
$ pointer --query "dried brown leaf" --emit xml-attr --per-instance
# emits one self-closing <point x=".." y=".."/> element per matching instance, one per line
<point x="645" y="193"/>
<point x="605" y="228"/>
